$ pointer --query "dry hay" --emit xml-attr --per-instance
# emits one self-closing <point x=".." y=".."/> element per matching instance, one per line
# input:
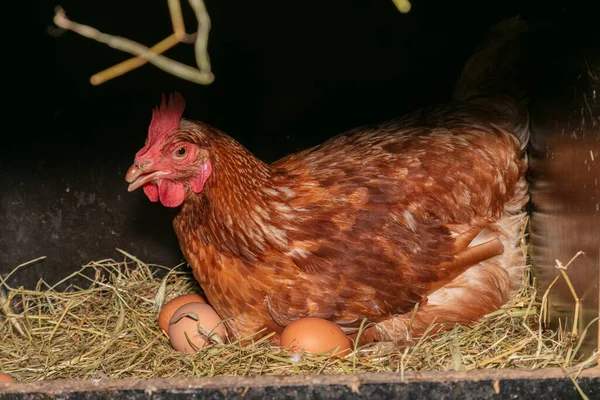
<point x="109" y="330"/>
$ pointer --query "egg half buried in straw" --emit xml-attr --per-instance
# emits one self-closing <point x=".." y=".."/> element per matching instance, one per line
<point x="6" y="378"/>
<point x="166" y="312"/>
<point x="183" y="329"/>
<point x="315" y="335"/>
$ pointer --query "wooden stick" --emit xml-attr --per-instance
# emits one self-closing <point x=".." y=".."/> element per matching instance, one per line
<point x="178" y="24"/>
<point x="403" y="6"/>
<point x="201" y="44"/>
<point x="202" y="75"/>
<point x="179" y="35"/>
<point x="177" y="18"/>
<point x="132" y="63"/>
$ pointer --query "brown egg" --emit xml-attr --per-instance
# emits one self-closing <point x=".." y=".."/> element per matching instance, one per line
<point x="183" y="324"/>
<point x="6" y="378"/>
<point x="166" y="312"/>
<point x="315" y="335"/>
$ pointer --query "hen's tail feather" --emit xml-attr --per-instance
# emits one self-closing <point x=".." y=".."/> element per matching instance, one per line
<point x="494" y="76"/>
<point x="466" y="259"/>
<point x="496" y="66"/>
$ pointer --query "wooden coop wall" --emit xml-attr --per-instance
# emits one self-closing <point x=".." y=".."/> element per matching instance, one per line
<point x="565" y="172"/>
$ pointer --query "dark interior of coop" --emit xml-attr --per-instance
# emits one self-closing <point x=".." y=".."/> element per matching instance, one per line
<point x="288" y="75"/>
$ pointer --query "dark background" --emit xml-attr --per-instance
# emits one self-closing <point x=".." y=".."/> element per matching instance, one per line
<point x="288" y="75"/>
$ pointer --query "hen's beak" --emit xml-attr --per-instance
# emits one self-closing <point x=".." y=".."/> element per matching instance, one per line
<point x="138" y="176"/>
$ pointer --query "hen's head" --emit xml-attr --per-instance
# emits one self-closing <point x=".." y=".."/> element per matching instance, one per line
<point x="172" y="161"/>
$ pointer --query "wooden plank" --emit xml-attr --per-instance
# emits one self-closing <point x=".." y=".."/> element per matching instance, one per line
<point x="565" y="169"/>
<point x="490" y="381"/>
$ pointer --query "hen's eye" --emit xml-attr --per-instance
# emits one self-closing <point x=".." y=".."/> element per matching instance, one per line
<point x="181" y="152"/>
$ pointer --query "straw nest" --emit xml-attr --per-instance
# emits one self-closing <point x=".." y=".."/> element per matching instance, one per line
<point x="109" y="330"/>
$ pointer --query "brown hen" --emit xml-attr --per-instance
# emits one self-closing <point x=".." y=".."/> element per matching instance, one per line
<point x="423" y="210"/>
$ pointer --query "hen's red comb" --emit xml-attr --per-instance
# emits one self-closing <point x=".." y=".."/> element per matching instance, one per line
<point x="166" y="117"/>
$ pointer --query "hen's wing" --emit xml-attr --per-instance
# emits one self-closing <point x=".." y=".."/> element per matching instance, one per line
<point x="387" y="213"/>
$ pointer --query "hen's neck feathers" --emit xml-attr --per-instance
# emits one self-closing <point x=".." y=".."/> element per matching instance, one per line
<point x="242" y="210"/>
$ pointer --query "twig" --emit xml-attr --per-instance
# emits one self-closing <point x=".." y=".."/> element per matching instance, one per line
<point x="562" y="270"/>
<point x="179" y="36"/>
<point x="177" y="21"/>
<point x="507" y="353"/>
<point x="403" y="6"/>
<point x="200" y="47"/>
<point x="202" y="75"/>
<point x="544" y="307"/>
<point x="577" y="387"/>
<point x="5" y="279"/>
<point x="5" y="307"/>
<point x="132" y="63"/>
<point x="580" y="341"/>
